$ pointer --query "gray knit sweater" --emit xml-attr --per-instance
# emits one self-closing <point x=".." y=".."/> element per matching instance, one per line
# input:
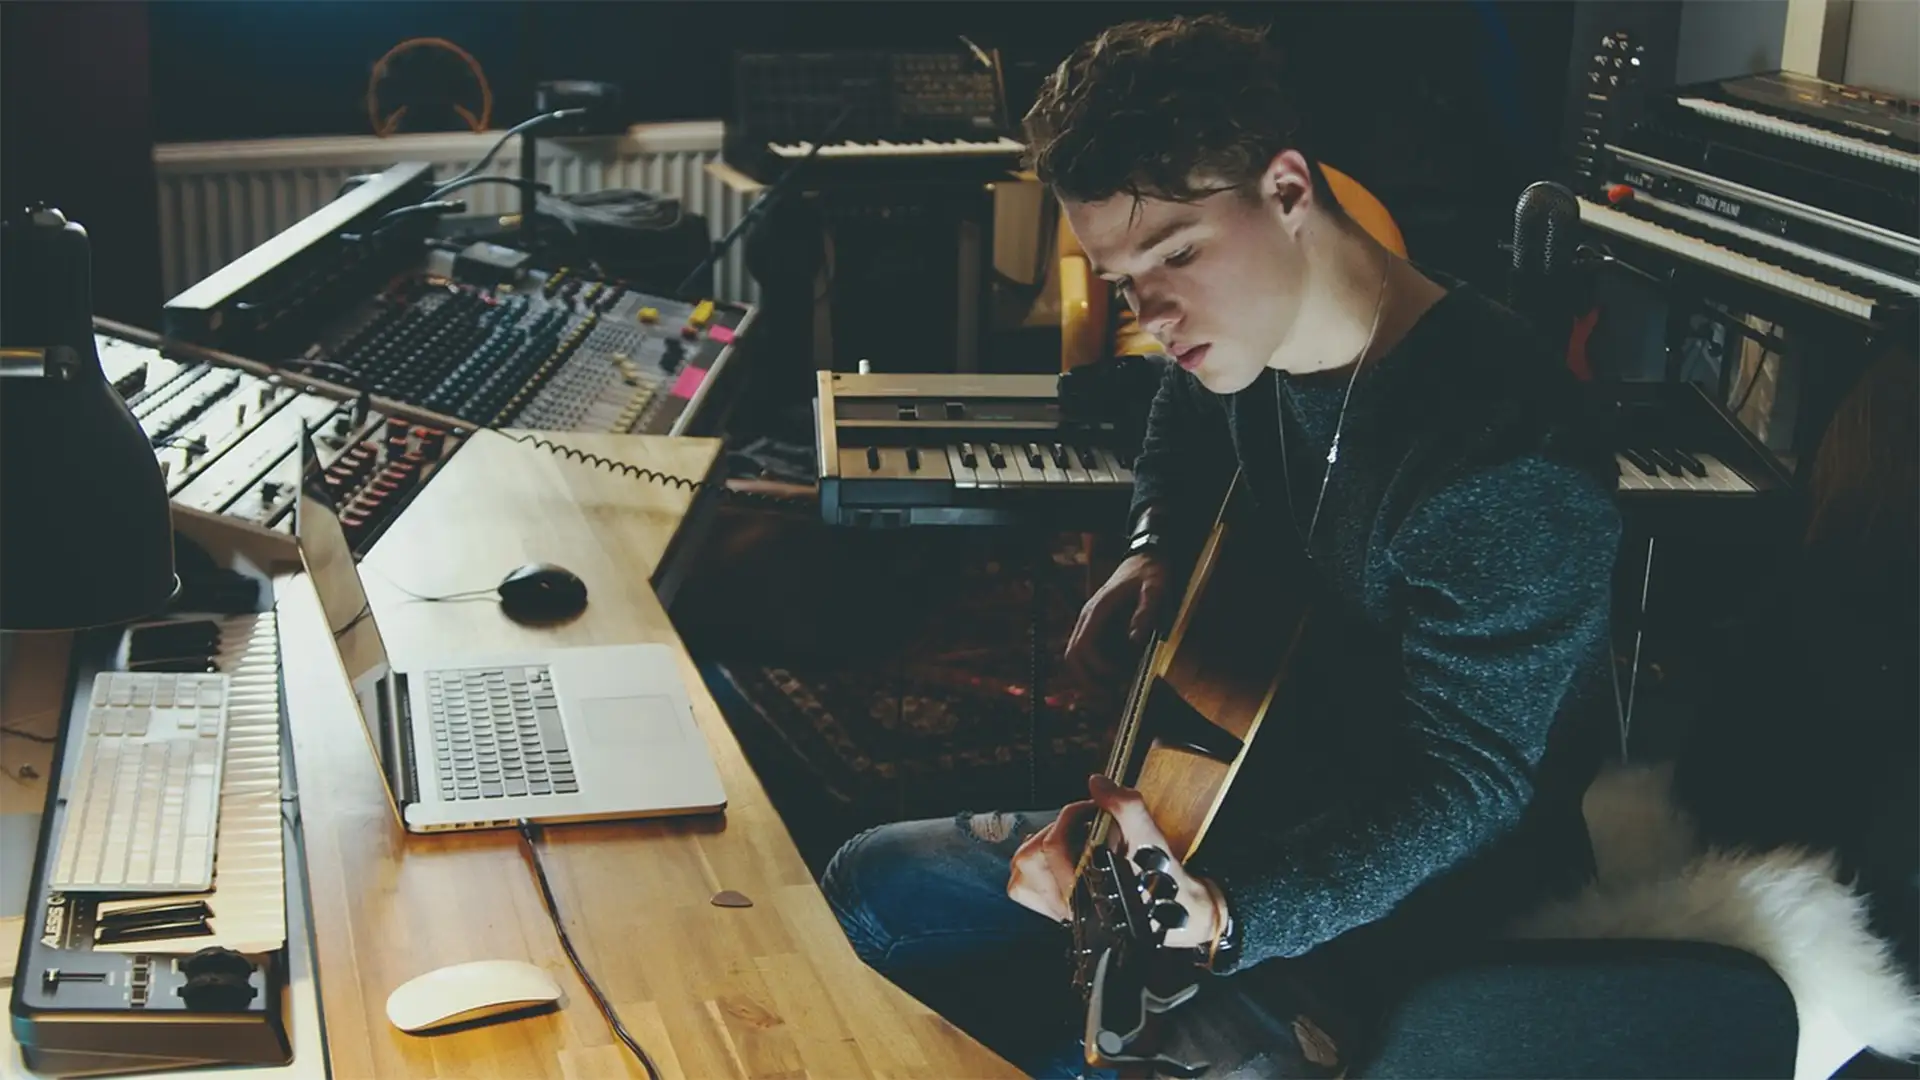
<point x="1430" y="766"/>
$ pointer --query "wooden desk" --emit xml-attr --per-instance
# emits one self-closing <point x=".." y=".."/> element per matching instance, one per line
<point x="771" y="990"/>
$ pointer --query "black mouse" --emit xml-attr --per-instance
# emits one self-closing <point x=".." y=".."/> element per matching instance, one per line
<point x="542" y="592"/>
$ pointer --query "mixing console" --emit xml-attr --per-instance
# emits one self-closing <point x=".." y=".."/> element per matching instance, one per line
<point x="226" y="440"/>
<point x="557" y="352"/>
<point x="472" y="334"/>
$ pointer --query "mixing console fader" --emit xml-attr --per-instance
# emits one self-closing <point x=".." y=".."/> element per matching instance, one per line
<point x="227" y="439"/>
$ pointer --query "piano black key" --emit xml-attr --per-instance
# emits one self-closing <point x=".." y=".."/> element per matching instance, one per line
<point x="913" y="459"/>
<point x="1088" y="460"/>
<point x="1688" y="462"/>
<point x="1640" y="461"/>
<point x="1659" y="457"/>
<point x="1059" y="456"/>
<point x="995" y="457"/>
<point x="967" y="456"/>
<point x="1033" y="455"/>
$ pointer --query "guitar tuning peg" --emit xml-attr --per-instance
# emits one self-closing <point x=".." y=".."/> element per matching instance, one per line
<point x="1151" y="859"/>
<point x="1157" y="886"/>
<point x="1169" y="915"/>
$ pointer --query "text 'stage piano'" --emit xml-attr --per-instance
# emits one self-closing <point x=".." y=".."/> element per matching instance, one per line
<point x="880" y="117"/>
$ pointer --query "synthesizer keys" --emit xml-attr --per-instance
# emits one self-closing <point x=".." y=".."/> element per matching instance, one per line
<point x="947" y="449"/>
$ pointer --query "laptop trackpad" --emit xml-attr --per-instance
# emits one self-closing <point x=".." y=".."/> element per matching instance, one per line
<point x="641" y="722"/>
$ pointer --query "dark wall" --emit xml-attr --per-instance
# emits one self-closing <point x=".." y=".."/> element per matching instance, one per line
<point x="1445" y="109"/>
<point x="76" y="131"/>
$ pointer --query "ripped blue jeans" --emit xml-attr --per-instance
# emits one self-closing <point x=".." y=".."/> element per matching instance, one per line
<point x="925" y="904"/>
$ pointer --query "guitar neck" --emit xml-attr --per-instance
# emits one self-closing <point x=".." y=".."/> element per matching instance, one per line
<point x="1125" y="746"/>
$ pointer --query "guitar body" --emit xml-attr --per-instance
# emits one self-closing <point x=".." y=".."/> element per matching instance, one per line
<point x="1201" y="696"/>
<point x="1224" y="658"/>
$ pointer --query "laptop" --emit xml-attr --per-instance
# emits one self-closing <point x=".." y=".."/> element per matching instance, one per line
<point x="486" y="741"/>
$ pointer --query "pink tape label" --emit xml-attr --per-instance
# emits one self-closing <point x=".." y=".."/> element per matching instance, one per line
<point x="689" y="382"/>
<point x="721" y="334"/>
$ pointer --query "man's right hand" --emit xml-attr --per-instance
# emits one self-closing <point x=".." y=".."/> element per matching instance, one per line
<point x="1117" y="619"/>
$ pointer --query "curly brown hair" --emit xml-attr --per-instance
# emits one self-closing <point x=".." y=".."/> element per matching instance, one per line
<point x="1175" y="109"/>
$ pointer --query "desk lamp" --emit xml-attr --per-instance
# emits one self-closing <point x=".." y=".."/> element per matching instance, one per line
<point x="86" y="532"/>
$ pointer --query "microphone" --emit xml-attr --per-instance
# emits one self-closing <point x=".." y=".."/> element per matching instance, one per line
<point x="1546" y="223"/>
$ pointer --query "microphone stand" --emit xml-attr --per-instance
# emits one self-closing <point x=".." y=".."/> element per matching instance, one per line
<point x="760" y="206"/>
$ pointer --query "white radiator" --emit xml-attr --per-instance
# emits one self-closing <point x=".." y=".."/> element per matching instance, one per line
<point x="220" y="200"/>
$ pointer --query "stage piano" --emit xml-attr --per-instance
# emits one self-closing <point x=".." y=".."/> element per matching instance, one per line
<point x="881" y="117"/>
<point x="1787" y="193"/>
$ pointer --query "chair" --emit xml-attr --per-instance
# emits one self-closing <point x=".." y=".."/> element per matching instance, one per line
<point x="1086" y="301"/>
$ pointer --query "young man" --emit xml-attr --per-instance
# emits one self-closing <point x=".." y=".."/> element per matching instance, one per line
<point x="1421" y="457"/>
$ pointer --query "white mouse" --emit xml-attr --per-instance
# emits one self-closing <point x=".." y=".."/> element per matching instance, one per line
<point x="463" y="993"/>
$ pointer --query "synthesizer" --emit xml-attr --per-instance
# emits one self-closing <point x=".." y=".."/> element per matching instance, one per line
<point x="1684" y="465"/>
<point x="1785" y="193"/>
<point x="880" y="117"/>
<point x="120" y="984"/>
<point x="227" y="437"/>
<point x="473" y="334"/>
<point x="944" y="449"/>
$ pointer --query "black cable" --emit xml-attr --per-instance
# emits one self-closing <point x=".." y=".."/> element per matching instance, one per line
<point x="393" y="219"/>
<point x="785" y="502"/>
<point x="761" y="205"/>
<point x="522" y="183"/>
<point x="465" y="594"/>
<point x="525" y="125"/>
<point x="529" y="832"/>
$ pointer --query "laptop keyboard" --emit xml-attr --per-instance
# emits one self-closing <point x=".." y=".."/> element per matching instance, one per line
<point x="497" y="734"/>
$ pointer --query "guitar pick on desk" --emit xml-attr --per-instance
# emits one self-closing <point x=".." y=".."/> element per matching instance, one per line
<point x="729" y="898"/>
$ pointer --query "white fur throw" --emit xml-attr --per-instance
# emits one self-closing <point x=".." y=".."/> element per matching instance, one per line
<point x="1786" y="906"/>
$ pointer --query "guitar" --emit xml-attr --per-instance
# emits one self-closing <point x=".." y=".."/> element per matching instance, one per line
<point x="1201" y="694"/>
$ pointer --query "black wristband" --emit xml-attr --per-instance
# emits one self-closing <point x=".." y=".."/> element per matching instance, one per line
<point x="1147" y="520"/>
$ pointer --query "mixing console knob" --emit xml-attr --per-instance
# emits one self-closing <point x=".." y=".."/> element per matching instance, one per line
<point x="672" y="356"/>
<point x="269" y="490"/>
<point x="342" y="426"/>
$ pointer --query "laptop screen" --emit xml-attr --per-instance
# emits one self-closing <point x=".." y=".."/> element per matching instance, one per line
<point x="336" y="579"/>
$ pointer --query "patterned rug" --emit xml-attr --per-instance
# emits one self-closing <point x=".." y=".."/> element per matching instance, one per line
<point x="932" y="716"/>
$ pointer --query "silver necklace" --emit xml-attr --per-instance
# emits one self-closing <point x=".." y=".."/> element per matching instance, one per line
<point x="1339" y="424"/>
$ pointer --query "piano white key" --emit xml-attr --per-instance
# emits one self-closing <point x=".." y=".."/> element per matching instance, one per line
<point x="1075" y="472"/>
<point x="964" y="475"/>
<point x="1719" y="258"/>
<point x="1721" y="477"/>
<point x="1714" y="221"/>
<point x="996" y="147"/>
<point x="1788" y="129"/>
<point x="1122" y="476"/>
<point x="1097" y="471"/>
<point x="995" y="465"/>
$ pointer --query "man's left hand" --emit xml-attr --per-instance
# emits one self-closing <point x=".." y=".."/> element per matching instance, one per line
<point x="1206" y="910"/>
